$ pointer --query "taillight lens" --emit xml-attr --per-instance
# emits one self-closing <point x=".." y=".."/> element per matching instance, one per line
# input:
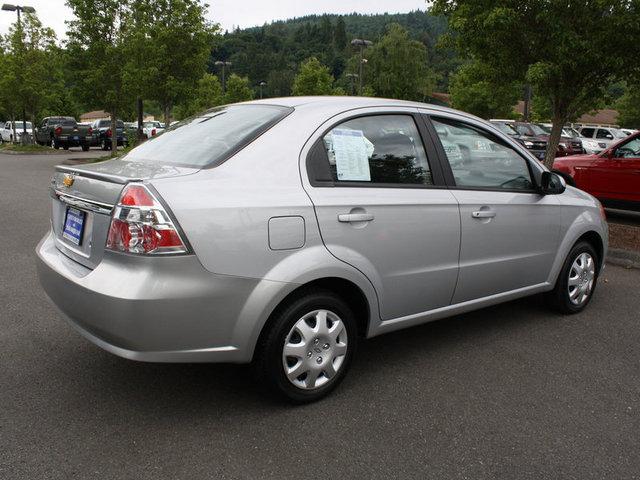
<point x="90" y="131"/>
<point x="58" y="130"/>
<point x="153" y="132"/>
<point x="141" y="225"/>
<point x="109" y="133"/>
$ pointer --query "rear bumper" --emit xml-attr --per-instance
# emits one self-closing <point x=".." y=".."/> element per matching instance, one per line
<point x="155" y="309"/>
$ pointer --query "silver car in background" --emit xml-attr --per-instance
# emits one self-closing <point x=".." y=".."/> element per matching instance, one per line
<point x="597" y="139"/>
<point x="280" y="231"/>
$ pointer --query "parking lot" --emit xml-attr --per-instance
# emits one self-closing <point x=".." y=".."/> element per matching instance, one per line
<point x="512" y="391"/>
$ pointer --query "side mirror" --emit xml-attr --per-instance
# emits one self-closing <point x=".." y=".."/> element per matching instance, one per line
<point x="552" y="184"/>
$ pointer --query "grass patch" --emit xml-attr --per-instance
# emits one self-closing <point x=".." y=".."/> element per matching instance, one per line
<point x="16" y="147"/>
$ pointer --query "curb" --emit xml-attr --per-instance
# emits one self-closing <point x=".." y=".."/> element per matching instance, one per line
<point x="623" y="258"/>
<point x="12" y="152"/>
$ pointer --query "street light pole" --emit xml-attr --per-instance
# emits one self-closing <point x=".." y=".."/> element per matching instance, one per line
<point x="18" y="9"/>
<point x="224" y="65"/>
<point x="362" y="44"/>
<point x="261" y="85"/>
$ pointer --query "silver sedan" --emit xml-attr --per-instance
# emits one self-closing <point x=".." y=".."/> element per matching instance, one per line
<point x="281" y="231"/>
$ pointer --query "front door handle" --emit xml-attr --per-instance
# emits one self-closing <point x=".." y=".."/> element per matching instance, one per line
<point x="355" y="217"/>
<point x="483" y="214"/>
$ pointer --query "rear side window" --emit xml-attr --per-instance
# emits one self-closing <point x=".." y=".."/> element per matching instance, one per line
<point x="209" y="138"/>
<point x="604" y="134"/>
<point x="381" y="149"/>
<point x="481" y="160"/>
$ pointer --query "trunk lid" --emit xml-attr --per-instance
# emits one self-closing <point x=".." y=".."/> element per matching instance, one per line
<point x="90" y="192"/>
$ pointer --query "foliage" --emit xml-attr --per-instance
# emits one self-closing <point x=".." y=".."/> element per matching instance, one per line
<point x="629" y="107"/>
<point x="475" y="89"/>
<point x="238" y="89"/>
<point x="397" y="66"/>
<point x="313" y="78"/>
<point x="30" y="61"/>
<point x="568" y="52"/>
<point x="175" y="39"/>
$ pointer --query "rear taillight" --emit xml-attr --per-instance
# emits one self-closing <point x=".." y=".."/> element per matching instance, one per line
<point x="109" y="133"/>
<point x="90" y="131"/>
<point x="141" y="225"/>
<point x="58" y="130"/>
<point x="153" y="132"/>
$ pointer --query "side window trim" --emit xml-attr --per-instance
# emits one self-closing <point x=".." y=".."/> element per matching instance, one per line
<point x="448" y="172"/>
<point x="317" y="154"/>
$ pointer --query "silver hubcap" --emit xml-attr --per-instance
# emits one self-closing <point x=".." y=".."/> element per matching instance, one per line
<point x="581" y="278"/>
<point x="315" y="349"/>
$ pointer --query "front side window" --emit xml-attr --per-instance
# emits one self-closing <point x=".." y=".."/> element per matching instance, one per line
<point x="381" y="149"/>
<point x="587" y="132"/>
<point x="481" y="160"/>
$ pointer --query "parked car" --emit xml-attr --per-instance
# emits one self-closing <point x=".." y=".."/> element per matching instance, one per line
<point x="151" y="129"/>
<point x="628" y="131"/>
<point x="103" y="134"/>
<point x="63" y="132"/>
<point x="613" y="176"/>
<point x="570" y="140"/>
<point x="529" y="135"/>
<point x="155" y="256"/>
<point x="6" y="134"/>
<point x="599" y="138"/>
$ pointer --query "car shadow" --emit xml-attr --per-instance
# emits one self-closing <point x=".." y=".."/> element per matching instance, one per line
<point x="233" y="389"/>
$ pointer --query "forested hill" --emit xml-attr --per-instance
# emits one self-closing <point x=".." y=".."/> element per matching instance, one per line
<point x="273" y="52"/>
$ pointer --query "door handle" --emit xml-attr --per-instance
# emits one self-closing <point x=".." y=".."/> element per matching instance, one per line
<point x="483" y="214"/>
<point x="355" y="217"/>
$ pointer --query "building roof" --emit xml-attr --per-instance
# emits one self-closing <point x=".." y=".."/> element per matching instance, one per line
<point x="95" y="115"/>
<point x="606" y="116"/>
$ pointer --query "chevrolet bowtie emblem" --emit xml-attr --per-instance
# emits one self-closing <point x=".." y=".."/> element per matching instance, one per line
<point x="68" y="179"/>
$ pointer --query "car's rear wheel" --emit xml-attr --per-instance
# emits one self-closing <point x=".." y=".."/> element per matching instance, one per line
<point x="85" y="148"/>
<point x="307" y="349"/>
<point x="54" y="144"/>
<point x="577" y="280"/>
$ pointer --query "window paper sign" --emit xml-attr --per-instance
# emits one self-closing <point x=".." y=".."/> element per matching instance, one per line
<point x="350" y="150"/>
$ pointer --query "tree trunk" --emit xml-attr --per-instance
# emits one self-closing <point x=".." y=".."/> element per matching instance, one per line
<point x="167" y="115"/>
<point x="139" y="106"/>
<point x="13" y="125"/>
<point x="554" y="139"/>
<point x="114" y="131"/>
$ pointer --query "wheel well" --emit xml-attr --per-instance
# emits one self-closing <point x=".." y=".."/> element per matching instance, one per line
<point x="345" y="289"/>
<point x="595" y="241"/>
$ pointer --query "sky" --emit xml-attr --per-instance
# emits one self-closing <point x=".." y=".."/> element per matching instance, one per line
<point x="230" y="13"/>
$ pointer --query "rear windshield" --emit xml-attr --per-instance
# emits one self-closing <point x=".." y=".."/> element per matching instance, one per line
<point x="67" y="122"/>
<point x="107" y="123"/>
<point x="210" y="137"/>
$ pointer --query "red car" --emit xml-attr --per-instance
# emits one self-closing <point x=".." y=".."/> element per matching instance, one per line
<point x="613" y="176"/>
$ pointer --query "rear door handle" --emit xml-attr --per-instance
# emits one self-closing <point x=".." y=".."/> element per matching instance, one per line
<point x="483" y="214"/>
<point x="355" y="217"/>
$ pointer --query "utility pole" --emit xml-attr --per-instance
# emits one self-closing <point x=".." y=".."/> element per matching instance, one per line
<point x="527" y="102"/>
<point x="262" y="85"/>
<point x="362" y="44"/>
<point x="17" y="8"/>
<point x="224" y="65"/>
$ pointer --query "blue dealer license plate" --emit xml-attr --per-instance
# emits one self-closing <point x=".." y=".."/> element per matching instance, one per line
<point x="73" y="225"/>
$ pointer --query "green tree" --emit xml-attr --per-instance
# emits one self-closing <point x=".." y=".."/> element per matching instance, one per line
<point x="97" y="36"/>
<point x="238" y="89"/>
<point x="313" y="78"/>
<point x="280" y="83"/>
<point x="397" y="66"/>
<point x="474" y="89"/>
<point x="629" y="107"/>
<point x="30" y="62"/>
<point x="568" y="52"/>
<point x="179" y="44"/>
<point x="207" y="94"/>
<point x="340" y="35"/>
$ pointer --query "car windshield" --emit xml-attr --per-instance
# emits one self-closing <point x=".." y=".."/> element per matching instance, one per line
<point x="618" y="133"/>
<point x="537" y="130"/>
<point x="210" y="137"/>
<point x="506" y="128"/>
<point x="547" y="130"/>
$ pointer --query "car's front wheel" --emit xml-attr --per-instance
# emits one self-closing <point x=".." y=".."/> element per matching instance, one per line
<point x="577" y="280"/>
<point x="308" y="348"/>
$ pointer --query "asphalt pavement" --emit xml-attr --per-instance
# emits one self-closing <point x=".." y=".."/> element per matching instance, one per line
<point x="513" y="391"/>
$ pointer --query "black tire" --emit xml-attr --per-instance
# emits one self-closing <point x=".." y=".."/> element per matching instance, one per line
<point x="559" y="296"/>
<point x="66" y="147"/>
<point x="103" y="145"/>
<point x="268" y="361"/>
<point x="54" y="143"/>
<point x="85" y="148"/>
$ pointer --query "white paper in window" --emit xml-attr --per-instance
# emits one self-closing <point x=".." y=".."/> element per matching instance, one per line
<point x="350" y="149"/>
